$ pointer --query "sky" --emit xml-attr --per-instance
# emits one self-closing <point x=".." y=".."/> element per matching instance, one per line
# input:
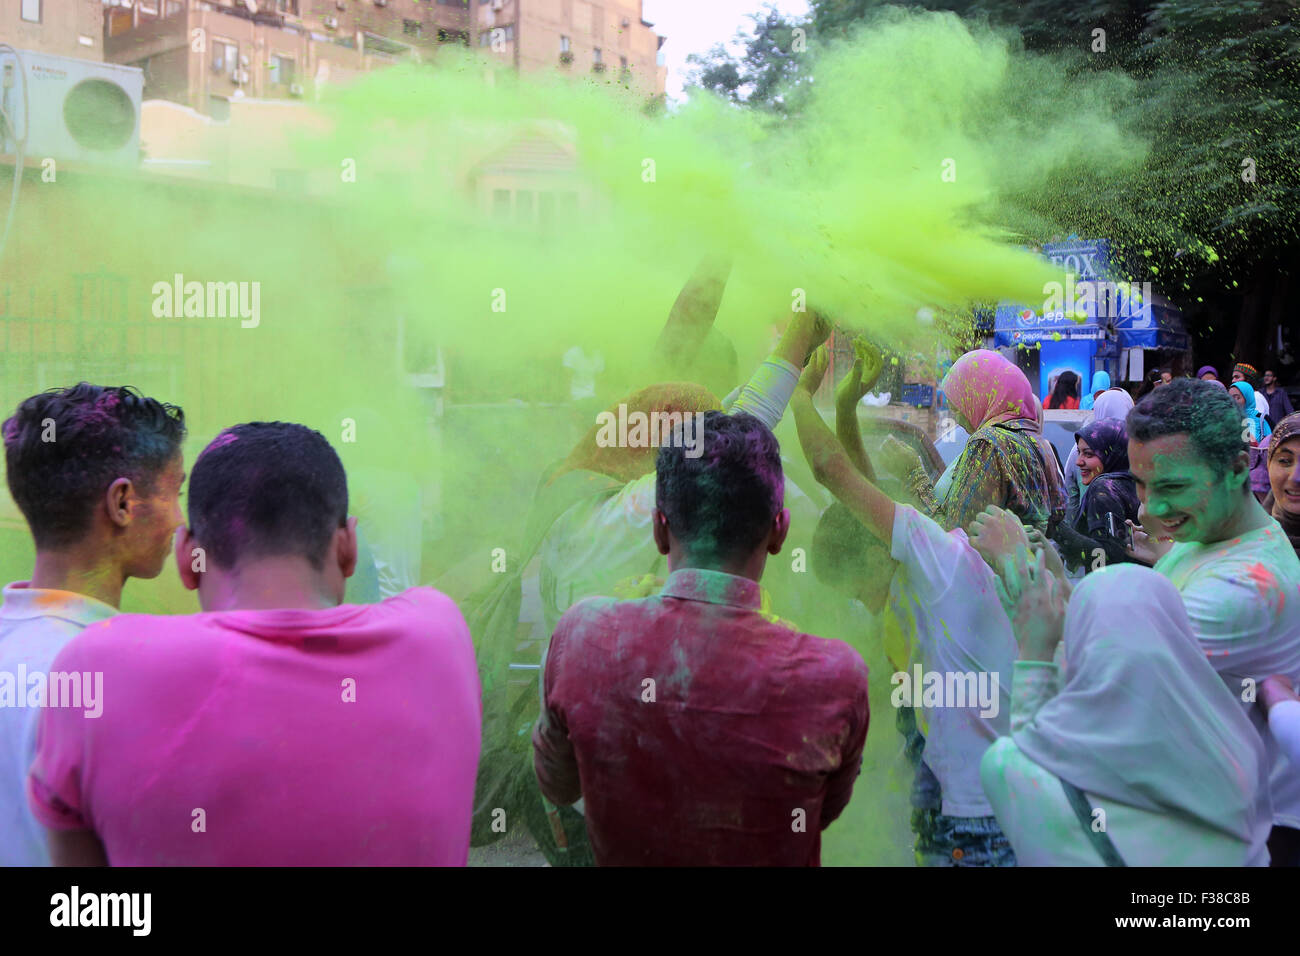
<point x="693" y="26"/>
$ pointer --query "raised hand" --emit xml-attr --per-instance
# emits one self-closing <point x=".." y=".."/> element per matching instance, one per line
<point x="1035" y="602"/>
<point x="897" y="458"/>
<point x="1039" y="542"/>
<point x="1150" y="540"/>
<point x="997" y="535"/>
<point x="815" y="370"/>
<point x="862" y="377"/>
<point x="873" y="363"/>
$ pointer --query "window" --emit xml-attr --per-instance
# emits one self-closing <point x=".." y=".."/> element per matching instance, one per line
<point x="225" y="57"/>
<point x="281" y="70"/>
<point x="569" y="206"/>
<point x="501" y="203"/>
<point x="622" y="63"/>
<point x="454" y="3"/>
<point x="524" y="206"/>
<point x="596" y="56"/>
<point x="564" y="44"/>
<point x="412" y="28"/>
<point x="32" y="11"/>
<point x="172" y="7"/>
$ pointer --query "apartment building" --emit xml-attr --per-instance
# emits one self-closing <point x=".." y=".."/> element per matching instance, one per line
<point x="201" y="54"/>
<point x="576" y="36"/>
<point x="62" y="27"/>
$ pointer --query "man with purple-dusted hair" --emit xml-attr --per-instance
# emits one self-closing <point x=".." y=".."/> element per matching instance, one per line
<point x="697" y="727"/>
<point x="97" y="473"/>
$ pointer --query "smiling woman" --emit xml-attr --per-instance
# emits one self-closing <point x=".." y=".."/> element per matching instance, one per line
<point x="1096" y="536"/>
<point x="1283" y="501"/>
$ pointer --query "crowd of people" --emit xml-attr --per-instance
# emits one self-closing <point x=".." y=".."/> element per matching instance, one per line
<point x="1096" y="661"/>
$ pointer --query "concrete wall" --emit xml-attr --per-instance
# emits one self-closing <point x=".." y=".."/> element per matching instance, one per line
<point x="65" y="27"/>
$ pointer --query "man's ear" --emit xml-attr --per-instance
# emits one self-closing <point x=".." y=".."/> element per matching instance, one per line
<point x="1240" y="474"/>
<point x="780" y="528"/>
<point x="659" y="526"/>
<point x="117" y="502"/>
<point x="191" y="560"/>
<point x="346" y="537"/>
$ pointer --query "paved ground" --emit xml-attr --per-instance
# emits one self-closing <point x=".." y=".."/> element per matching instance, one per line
<point x="513" y="849"/>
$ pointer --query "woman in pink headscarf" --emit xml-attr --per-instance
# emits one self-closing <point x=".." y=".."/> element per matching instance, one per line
<point x="1003" y="462"/>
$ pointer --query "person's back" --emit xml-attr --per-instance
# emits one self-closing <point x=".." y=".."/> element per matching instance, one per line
<point x="286" y="737"/>
<point x="1045" y="830"/>
<point x="744" y="747"/>
<point x="1130" y="747"/>
<point x="279" y="726"/>
<point x="696" y="728"/>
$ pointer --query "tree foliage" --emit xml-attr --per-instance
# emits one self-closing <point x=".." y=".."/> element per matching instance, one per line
<point x="1214" y="208"/>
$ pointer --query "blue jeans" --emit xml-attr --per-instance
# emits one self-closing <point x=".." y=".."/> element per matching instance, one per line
<point x="942" y="840"/>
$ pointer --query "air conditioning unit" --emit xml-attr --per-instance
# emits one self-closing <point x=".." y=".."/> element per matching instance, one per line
<point x="295" y="89"/>
<point x="498" y="4"/>
<point x="240" y="76"/>
<point x="340" y="4"/>
<point x="331" y="23"/>
<point x="79" y="110"/>
<point x="381" y="3"/>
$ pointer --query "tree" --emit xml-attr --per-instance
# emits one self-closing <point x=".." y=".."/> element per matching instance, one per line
<point x="763" y="76"/>
<point x="1212" y="215"/>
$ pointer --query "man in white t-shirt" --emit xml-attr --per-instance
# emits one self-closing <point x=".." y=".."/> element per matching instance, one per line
<point x="97" y="474"/>
<point x="945" y="630"/>
<point x="1237" y="572"/>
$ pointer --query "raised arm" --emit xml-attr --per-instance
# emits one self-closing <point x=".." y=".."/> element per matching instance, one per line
<point x="867" y="364"/>
<point x="830" y="463"/>
<point x="694" y="311"/>
<point x="768" y="391"/>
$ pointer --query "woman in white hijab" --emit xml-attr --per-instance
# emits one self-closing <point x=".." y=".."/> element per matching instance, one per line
<point x="1143" y="758"/>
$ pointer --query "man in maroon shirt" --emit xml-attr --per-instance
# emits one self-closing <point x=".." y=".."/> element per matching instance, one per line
<point x="698" y="728"/>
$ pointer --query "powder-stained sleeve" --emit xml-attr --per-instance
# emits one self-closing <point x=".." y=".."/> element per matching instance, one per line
<point x="1033" y="683"/>
<point x="767" y="392"/>
<point x="553" y="757"/>
<point x="839" y="787"/>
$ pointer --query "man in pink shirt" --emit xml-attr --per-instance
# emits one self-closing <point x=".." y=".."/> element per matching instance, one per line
<point x="277" y="727"/>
